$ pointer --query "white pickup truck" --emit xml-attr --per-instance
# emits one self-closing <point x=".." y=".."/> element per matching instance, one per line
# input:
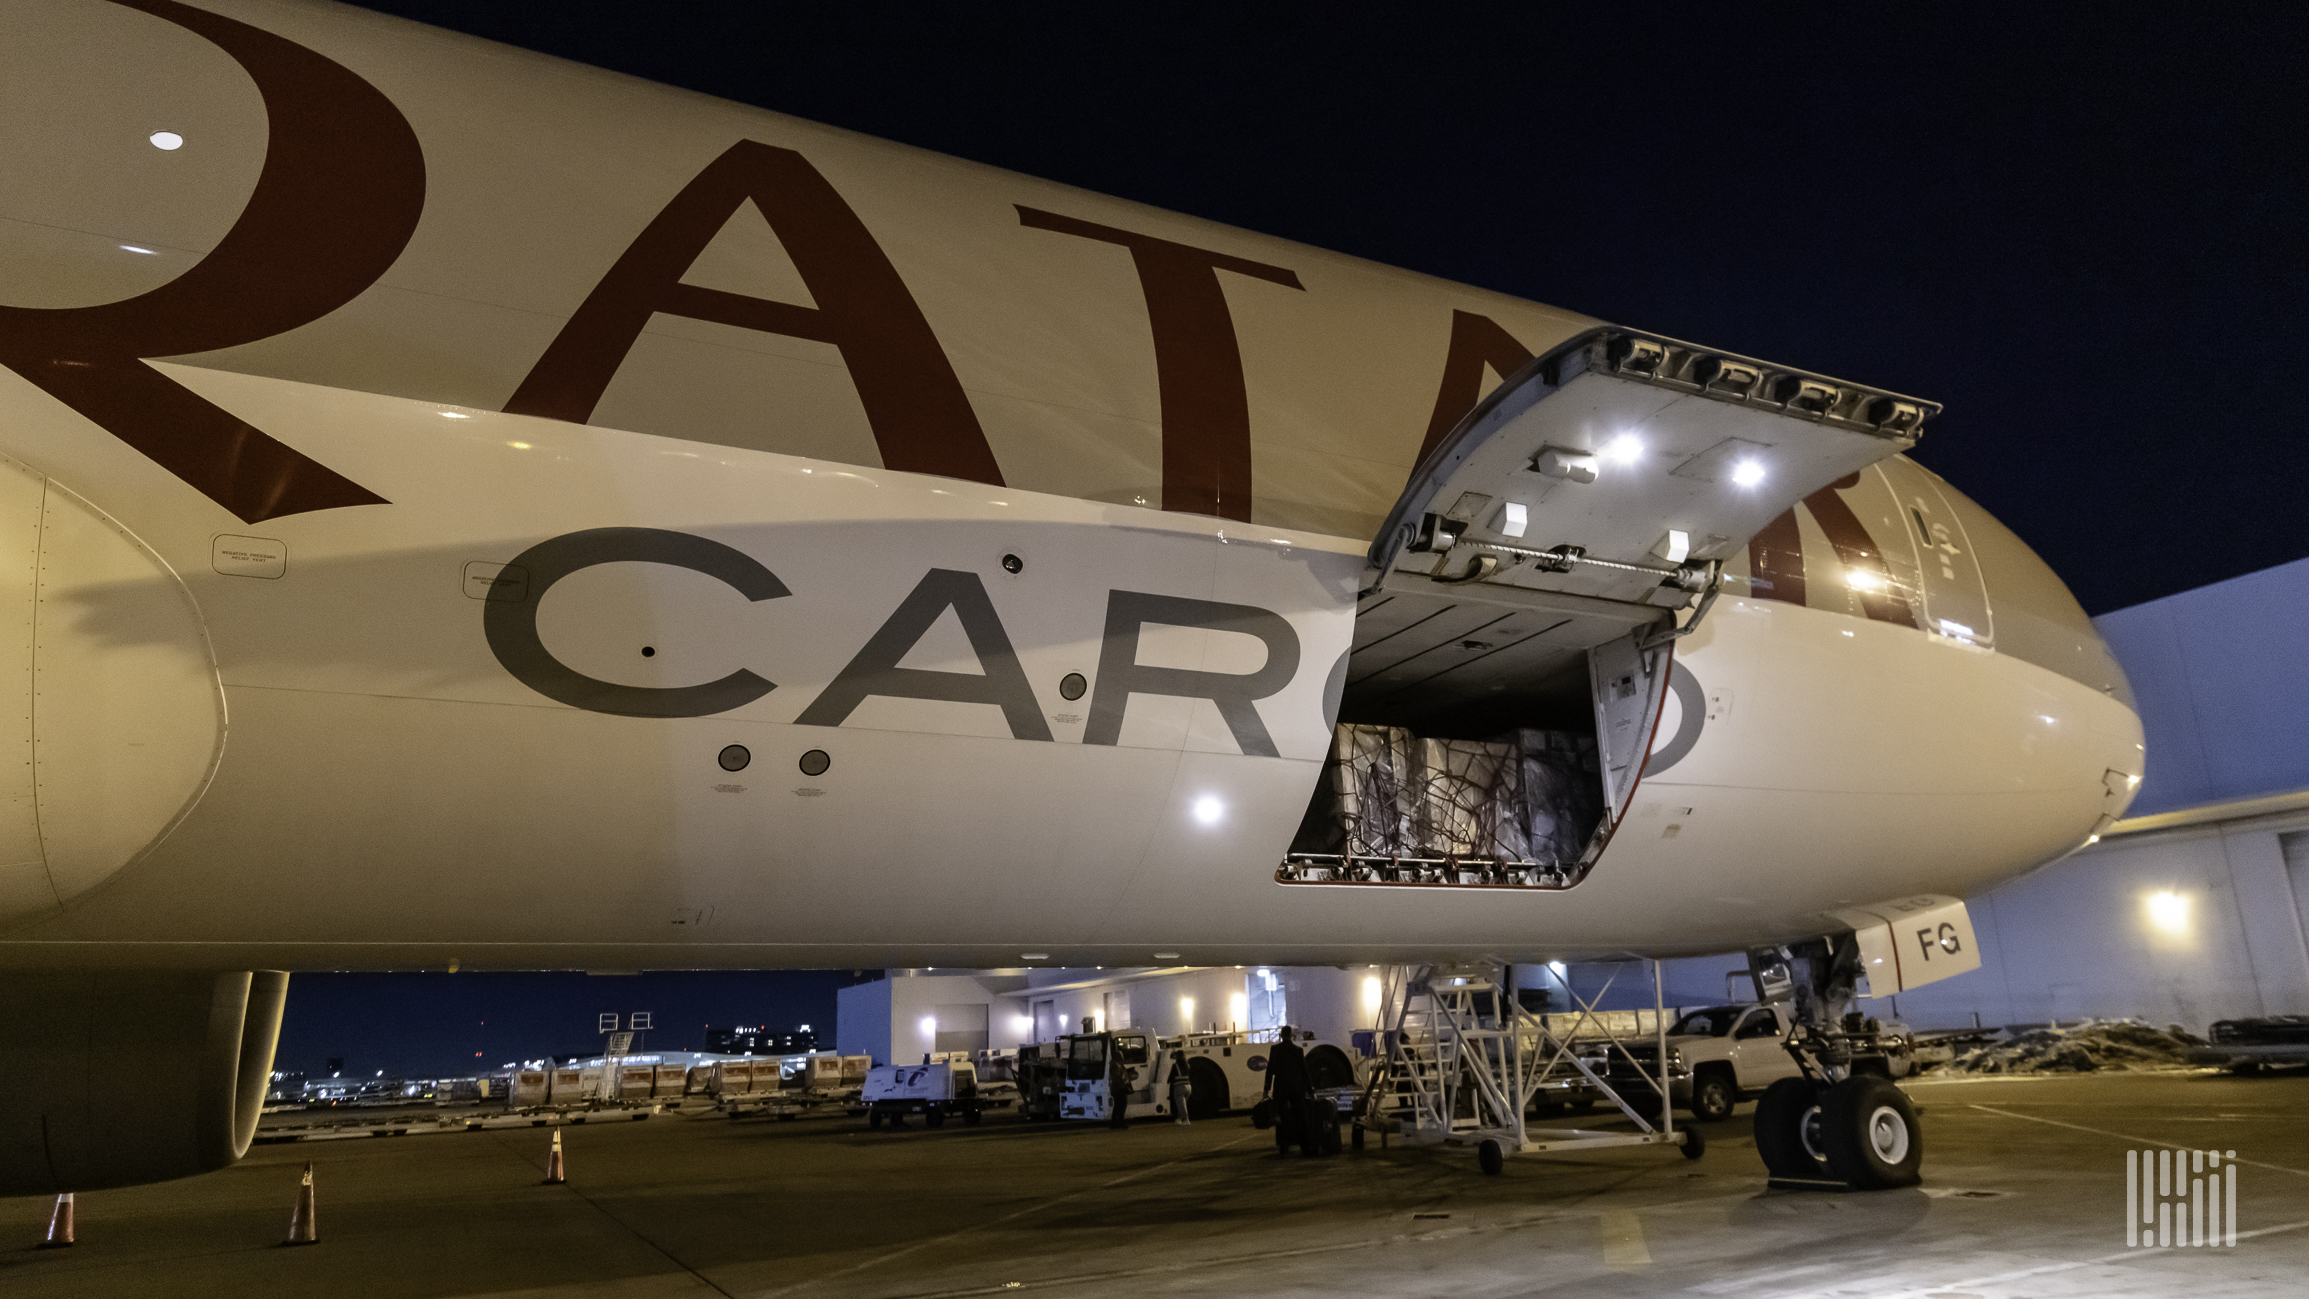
<point x="1722" y="1055"/>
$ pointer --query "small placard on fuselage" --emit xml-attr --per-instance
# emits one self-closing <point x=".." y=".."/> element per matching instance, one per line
<point x="236" y="556"/>
<point x="504" y="582"/>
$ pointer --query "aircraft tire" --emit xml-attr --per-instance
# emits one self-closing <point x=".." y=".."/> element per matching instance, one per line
<point x="1786" y="1107"/>
<point x="1695" y="1141"/>
<point x="1870" y="1134"/>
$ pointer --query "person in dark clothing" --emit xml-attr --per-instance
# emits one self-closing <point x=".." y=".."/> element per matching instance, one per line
<point x="1288" y="1083"/>
<point x="1118" y="1083"/>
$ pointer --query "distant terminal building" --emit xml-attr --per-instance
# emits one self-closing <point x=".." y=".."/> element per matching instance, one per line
<point x="758" y="1040"/>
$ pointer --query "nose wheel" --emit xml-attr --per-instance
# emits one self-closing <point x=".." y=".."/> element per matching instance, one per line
<point x="1862" y="1132"/>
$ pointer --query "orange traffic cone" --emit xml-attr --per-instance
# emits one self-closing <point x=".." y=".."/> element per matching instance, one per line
<point x="59" y="1224"/>
<point x="554" y="1174"/>
<point x="302" y="1229"/>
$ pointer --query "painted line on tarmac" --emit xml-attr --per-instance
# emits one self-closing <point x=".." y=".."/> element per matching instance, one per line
<point x="1461" y="1231"/>
<point x="2146" y="1141"/>
<point x="599" y="1208"/>
<point x="1013" y="1214"/>
<point x="1264" y="1256"/>
<point x="1623" y="1240"/>
<point x="2046" y="1269"/>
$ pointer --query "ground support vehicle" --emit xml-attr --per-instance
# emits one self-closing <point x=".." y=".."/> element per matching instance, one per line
<point x="770" y="1105"/>
<point x="996" y="1070"/>
<point x="2249" y="1045"/>
<point x="804" y="1084"/>
<point x="1085" y="1092"/>
<point x="934" y="1091"/>
<point x="789" y="1103"/>
<point x="1068" y="1078"/>
<point x="1722" y="1055"/>
<point x="1464" y="1060"/>
<point x="1040" y="1074"/>
<point x="1229" y="1071"/>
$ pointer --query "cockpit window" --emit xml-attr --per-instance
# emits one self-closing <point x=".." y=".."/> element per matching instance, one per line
<point x="2037" y="620"/>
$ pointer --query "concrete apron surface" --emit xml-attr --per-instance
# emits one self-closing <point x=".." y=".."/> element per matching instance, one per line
<point x="2024" y="1195"/>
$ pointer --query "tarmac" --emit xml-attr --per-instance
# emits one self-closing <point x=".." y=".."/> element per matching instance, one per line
<point x="2024" y="1195"/>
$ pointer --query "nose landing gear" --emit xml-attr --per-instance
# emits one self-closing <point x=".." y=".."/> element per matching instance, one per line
<point x="1838" y="1126"/>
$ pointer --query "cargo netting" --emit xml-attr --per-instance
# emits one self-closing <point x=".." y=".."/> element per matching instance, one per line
<point x="1518" y="811"/>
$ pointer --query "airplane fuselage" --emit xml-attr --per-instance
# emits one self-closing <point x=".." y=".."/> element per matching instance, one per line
<point x="475" y="511"/>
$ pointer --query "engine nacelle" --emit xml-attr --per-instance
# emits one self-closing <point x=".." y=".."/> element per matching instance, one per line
<point x="120" y="1077"/>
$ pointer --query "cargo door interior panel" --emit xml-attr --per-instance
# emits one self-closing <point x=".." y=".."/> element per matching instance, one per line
<point x="1521" y="605"/>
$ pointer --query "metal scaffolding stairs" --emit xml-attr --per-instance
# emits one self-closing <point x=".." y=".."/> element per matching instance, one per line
<point x="1463" y="1059"/>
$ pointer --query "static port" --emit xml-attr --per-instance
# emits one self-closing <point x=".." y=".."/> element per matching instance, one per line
<point x="815" y="762"/>
<point x="1013" y="564"/>
<point x="735" y="757"/>
<point x="1072" y="685"/>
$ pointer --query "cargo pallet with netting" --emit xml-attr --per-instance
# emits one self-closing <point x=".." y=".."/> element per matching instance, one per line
<point x="1522" y="811"/>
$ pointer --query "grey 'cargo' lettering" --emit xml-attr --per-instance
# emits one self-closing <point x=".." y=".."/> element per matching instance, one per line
<point x="511" y="627"/>
<point x="875" y="671"/>
<point x="1121" y="675"/>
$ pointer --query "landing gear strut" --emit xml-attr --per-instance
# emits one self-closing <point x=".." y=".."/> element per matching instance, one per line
<point x="1843" y="1123"/>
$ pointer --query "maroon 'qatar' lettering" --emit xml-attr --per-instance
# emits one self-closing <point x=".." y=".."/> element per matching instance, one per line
<point x="1476" y="342"/>
<point x="339" y="195"/>
<point x="921" y="420"/>
<point x="1198" y="365"/>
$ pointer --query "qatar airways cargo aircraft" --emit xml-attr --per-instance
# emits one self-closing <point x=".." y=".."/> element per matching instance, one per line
<point x="470" y="510"/>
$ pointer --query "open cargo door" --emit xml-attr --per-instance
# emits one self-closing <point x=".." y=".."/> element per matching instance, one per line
<point x="1534" y="577"/>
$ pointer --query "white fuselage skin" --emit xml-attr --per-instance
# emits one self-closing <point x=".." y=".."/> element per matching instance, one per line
<point x="291" y="743"/>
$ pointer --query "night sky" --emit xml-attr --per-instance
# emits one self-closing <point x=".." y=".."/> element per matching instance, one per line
<point x="439" y="1025"/>
<point x="2078" y="227"/>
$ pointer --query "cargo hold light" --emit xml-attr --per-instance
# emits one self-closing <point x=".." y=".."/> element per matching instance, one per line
<point x="1747" y="473"/>
<point x="1571" y="466"/>
<point x="1513" y="519"/>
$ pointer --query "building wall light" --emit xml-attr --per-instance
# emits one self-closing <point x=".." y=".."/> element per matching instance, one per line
<point x="2167" y="911"/>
